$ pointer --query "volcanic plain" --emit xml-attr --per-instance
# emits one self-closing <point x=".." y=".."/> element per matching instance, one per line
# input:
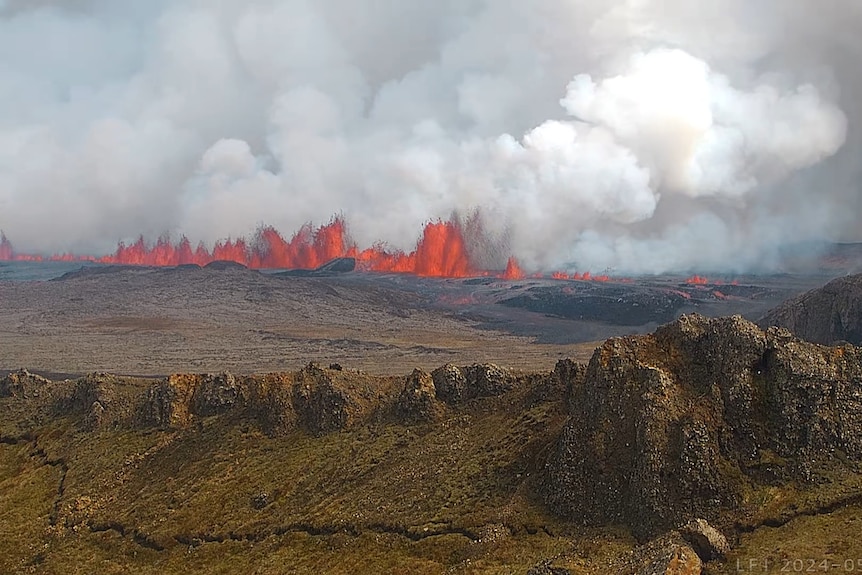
<point x="155" y="321"/>
<point x="224" y="420"/>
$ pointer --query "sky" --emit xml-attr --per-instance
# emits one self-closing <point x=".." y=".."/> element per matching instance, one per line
<point x="640" y="136"/>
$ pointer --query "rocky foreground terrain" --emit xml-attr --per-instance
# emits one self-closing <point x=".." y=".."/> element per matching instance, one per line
<point x="707" y="446"/>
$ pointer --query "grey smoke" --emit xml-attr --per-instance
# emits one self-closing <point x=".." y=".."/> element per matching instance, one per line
<point x="638" y="136"/>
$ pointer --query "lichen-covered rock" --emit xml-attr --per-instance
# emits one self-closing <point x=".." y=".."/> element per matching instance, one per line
<point x="450" y="383"/>
<point x="672" y="426"/>
<point x="94" y="395"/>
<point x="708" y="542"/>
<point x="455" y="384"/>
<point x="270" y="402"/>
<point x="22" y="384"/>
<point x="417" y="402"/>
<point x="167" y="403"/>
<point x="215" y="394"/>
<point x="487" y="380"/>
<point x="323" y="404"/>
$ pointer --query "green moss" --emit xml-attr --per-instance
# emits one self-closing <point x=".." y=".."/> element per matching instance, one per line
<point x="455" y="496"/>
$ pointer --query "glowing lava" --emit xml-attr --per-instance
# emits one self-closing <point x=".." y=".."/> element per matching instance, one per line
<point x="5" y="248"/>
<point x="441" y="251"/>
<point x="513" y="270"/>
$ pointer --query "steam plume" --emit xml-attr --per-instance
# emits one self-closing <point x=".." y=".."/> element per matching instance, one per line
<point x="643" y="136"/>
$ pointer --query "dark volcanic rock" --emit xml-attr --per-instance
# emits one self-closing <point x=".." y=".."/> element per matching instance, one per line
<point x="450" y="383"/>
<point x="615" y="305"/>
<point x="824" y="315"/>
<point x="547" y="568"/>
<point x="455" y="384"/>
<point x="417" y="402"/>
<point x="222" y="265"/>
<point x="571" y="375"/>
<point x="330" y="268"/>
<point x="672" y="426"/>
<point x="668" y="554"/>
<point x="671" y="558"/>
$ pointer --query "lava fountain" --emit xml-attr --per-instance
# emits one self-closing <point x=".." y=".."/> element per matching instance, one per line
<point x="441" y="251"/>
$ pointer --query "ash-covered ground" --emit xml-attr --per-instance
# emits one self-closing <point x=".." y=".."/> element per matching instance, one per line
<point x="61" y="318"/>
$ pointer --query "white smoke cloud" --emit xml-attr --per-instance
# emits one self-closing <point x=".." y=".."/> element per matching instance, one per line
<point x="642" y="136"/>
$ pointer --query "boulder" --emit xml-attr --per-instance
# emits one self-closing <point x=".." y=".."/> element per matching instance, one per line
<point x="450" y="383"/>
<point x="708" y="542"/>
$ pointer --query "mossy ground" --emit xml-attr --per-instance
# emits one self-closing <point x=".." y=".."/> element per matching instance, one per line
<point x="458" y="495"/>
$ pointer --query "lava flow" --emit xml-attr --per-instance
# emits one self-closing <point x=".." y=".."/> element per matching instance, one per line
<point x="441" y="251"/>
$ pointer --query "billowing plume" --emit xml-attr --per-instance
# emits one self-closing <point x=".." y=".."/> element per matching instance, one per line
<point x="641" y="136"/>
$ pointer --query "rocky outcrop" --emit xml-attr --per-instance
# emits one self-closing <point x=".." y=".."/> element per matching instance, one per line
<point x="678" y="424"/>
<point x="168" y="402"/>
<point x="825" y="315"/>
<point x="216" y="394"/>
<point x="455" y="384"/>
<point x="269" y="402"/>
<point x="95" y="395"/>
<point x="22" y="384"/>
<point x="321" y="405"/>
<point x="417" y="402"/>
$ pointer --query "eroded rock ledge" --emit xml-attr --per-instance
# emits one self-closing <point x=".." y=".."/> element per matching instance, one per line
<point x="694" y="419"/>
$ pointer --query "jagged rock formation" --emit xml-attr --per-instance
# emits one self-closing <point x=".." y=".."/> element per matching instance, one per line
<point x="417" y="402"/>
<point x="22" y="383"/>
<point x="95" y="396"/>
<point x="324" y="400"/>
<point x="455" y="384"/>
<point x="824" y="315"/>
<point x="684" y="422"/>
<point x="178" y="400"/>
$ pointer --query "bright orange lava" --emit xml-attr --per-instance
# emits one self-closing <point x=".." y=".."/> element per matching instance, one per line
<point x="441" y="251"/>
<point x="697" y="280"/>
<point x="513" y="270"/>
